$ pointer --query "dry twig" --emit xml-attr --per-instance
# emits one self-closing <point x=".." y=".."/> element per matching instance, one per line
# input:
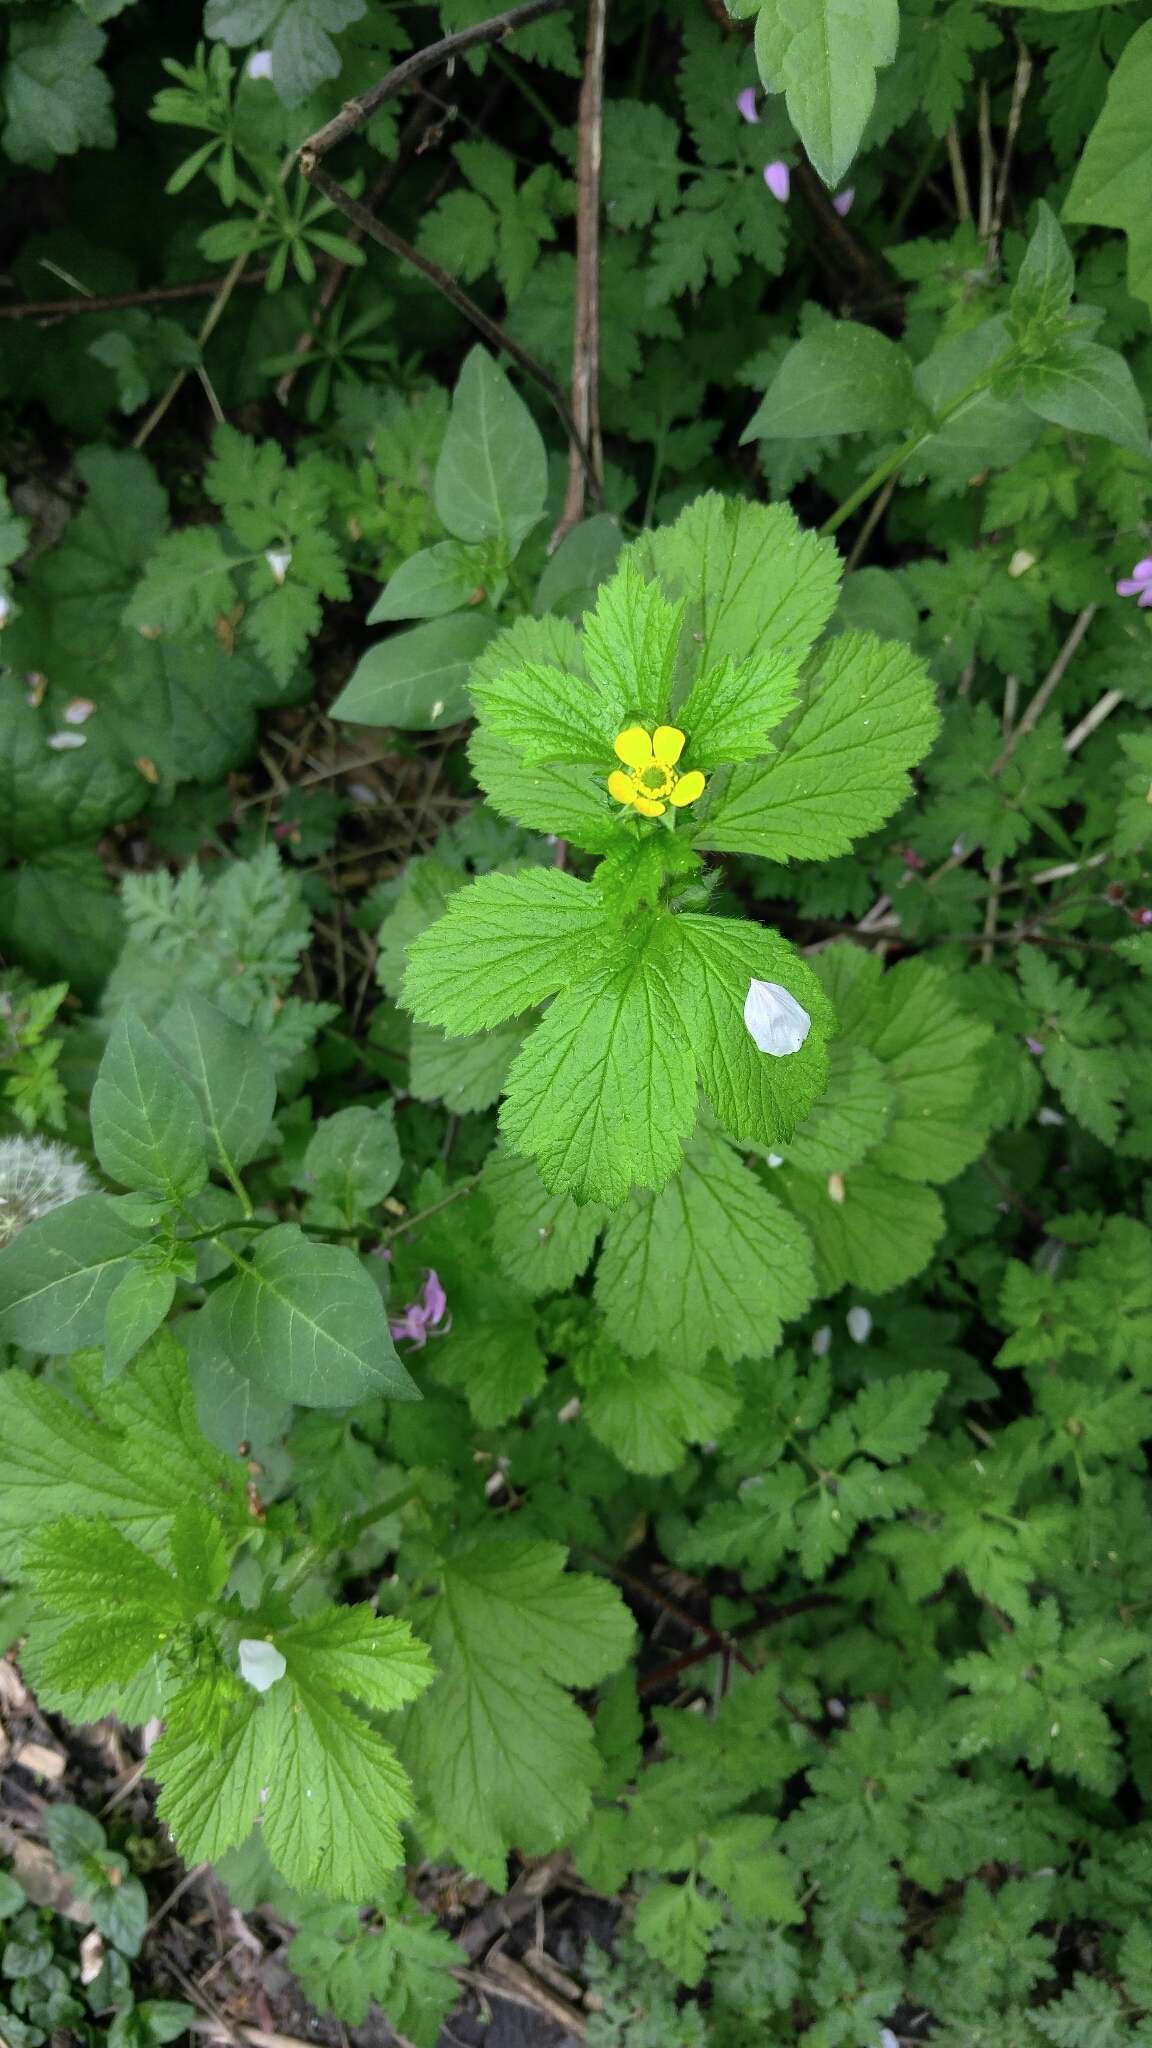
<point x="587" y="471"/>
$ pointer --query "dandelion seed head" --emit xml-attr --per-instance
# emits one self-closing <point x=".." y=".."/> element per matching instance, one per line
<point x="36" y="1177"/>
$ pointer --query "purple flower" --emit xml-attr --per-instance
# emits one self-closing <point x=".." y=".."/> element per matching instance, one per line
<point x="842" y="204"/>
<point x="746" y="101"/>
<point x="428" y="1316"/>
<point x="778" y="179"/>
<point x="1035" y="1045"/>
<point x="1138" y="584"/>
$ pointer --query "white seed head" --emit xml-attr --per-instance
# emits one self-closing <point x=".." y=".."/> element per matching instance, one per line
<point x="36" y="1176"/>
<point x="776" y="1022"/>
<point x="859" y="1320"/>
<point x="261" y="1663"/>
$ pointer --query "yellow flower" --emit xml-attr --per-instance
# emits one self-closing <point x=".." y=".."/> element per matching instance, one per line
<point x="652" y="781"/>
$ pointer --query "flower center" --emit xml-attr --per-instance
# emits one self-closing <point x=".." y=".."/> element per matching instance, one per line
<point x="657" y="780"/>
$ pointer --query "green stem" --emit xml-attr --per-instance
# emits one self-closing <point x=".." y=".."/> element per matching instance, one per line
<point x="358" y="1525"/>
<point x="892" y="464"/>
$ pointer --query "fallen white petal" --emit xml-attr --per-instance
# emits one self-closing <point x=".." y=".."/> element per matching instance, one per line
<point x="5" y="608"/>
<point x="822" y="1341"/>
<point x="859" y="1321"/>
<point x="279" y="560"/>
<point x="259" y="64"/>
<point x="61" y="741"/>
<point x="1048" y="1116"/>
<point x="78" y="710"/>
<point x="776" y="1022"/>
<point x="261" y="1663"/>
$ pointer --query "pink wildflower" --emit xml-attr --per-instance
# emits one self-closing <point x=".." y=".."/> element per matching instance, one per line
<point x="1138" y="584"/>
<point x="428" y="1316"/>
<point x="842" y="204"/>
<point x="746" y="101"/>
<point x="778" y="179"/>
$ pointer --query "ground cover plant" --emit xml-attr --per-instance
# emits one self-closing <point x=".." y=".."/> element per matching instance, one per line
<point x="575" y="1075"/>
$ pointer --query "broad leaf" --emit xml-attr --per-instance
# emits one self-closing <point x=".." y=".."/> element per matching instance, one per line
<point x="58" y="1275"/>
<point x="847" y="379"/>
<point x="1112" y="186"/>
<point x="491" y="478"/>
<point x="824" y="55"/>
<point x="230" y="1073"/>
<point x="1090" y="389"/>
<point x="306" y="1319"/>
<point x="417" y="680"/>
<point x="147" y="1126"/>
<point x="542" y="1241"/>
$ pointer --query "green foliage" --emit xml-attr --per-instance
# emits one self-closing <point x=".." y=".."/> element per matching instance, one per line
<point x="574" y="1261"/>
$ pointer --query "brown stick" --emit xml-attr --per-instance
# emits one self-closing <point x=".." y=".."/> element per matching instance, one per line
<point x="489" y="328"/>
<point x="114" y="302"/>
<point x="1039" y="702"/>
<point x="354" y="113"/>
<point x="337" y="268"/>
<point x="1020" y="86"/>
<point x="586" y="330"/>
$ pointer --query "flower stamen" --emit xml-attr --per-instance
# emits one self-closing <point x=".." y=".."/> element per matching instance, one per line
<point x="652" y="780"/>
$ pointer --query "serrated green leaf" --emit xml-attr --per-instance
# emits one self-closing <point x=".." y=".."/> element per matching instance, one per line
<point x="466" y="1075"/>
<point x="504" y="944"/>
<point x="755" y="583"/>
<point x="755" y="1096"/>
<point x="547" y="716"/>
<point x="542" y="1241"/>
<point x="603" y="1093"/>
<point x="630" y="642"/>
<point x="647" y="1411"/>
<point x="713" y="1262"/>
<point x="56" y="98"/>
<point x="506" y="1754"/>
<point x="842" y="767"/>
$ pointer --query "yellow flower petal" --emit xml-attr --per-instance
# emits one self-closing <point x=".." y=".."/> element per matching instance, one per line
<point x="634" y="747"/>
<point x="649" y="807"/>
<point x="620" y="786"/>
<point x="688" y="788"/>
<point x="667" y="745"/>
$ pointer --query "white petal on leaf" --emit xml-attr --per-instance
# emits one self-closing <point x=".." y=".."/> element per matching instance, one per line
<point x="776" y="1022"/>
<point x="859" y="1321"/>
<point x="261" y="1663"/>
<point x="279" y="560"/>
